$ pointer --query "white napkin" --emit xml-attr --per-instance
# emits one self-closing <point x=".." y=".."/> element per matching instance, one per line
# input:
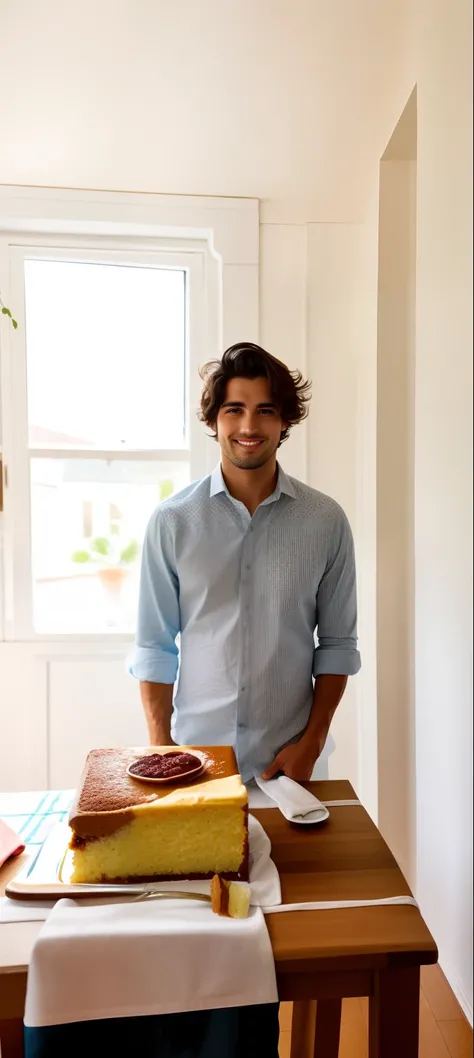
<point x="294" y="802"/>
<point x="24" y="910"/>
<point x="127" y="959"/>
<point x="265" y="889"/>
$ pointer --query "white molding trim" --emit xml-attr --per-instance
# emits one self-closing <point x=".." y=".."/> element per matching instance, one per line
<point x="455" y="984"/>
<point x="229" y="225"/>
<point x="224" y="232"/>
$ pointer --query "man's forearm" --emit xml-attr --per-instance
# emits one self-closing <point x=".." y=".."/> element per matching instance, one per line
<point x="328" y="691"/>
<point x="157" y="701"/>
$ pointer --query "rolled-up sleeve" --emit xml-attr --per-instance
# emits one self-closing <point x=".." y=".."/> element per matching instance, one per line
<point x="155" y="656"/>
<point x="336" y="608"/>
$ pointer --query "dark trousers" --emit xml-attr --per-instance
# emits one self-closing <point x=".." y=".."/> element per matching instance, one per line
<point x="236" y="1032"/>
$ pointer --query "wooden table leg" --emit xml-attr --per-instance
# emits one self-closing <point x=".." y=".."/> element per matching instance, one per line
<point x="394" y="1011"/>
<point x="11" y="1038"/>
<point x="328" y="1028"/>
<point x="303" y="1026"/>
<point x="316" y="1028"/>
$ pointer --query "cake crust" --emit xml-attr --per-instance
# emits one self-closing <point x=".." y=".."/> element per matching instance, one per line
<point x="108" y="798"/>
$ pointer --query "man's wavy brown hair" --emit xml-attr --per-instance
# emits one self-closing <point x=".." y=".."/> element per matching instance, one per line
<point x="290" y="391"/>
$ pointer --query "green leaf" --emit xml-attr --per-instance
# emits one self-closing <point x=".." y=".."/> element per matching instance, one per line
<point x="80" y="556"/>
<point x="166" y="489"/>
<point x="14" y="324"/>
<point x="6" y="312"/>
<point x="130" y="552"/>
<point x="100" y="545"/>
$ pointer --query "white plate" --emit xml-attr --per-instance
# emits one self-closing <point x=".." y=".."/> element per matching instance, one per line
<point x="192" y="774"/>
<point x="40" y="878"/>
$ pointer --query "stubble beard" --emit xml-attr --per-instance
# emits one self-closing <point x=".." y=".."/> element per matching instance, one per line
<point x="252" y="461"/>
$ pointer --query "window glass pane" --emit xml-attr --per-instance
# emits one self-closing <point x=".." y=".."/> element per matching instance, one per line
<point x="88" y="522"/>
<point x="105" y="355"/>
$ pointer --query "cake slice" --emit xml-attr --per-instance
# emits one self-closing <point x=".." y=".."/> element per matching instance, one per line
<point x="126" y="829"/>
<point x="229" y="899"/>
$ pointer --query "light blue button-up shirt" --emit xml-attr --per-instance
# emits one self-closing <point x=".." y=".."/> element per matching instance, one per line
<point x="230" y="606"/>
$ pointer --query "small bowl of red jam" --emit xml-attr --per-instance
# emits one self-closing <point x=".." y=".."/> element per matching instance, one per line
<point x="172" y="766"/>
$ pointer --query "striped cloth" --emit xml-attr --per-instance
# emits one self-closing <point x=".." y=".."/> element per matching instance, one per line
<point x="33" y="814"/>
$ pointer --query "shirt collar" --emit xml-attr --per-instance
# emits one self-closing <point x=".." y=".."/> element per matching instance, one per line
<point x="283" y="485"/>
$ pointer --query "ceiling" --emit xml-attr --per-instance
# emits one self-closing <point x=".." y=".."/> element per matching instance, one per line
<point x="275" y="99"/>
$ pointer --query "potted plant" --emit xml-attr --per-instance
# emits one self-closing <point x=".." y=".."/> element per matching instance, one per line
<point x="112" y="557"/>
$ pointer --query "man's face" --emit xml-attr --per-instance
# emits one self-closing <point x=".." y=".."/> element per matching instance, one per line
<point x="249" y="425"/>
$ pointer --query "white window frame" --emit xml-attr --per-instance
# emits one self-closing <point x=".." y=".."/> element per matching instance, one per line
<point x="19" y="603"/>
<point x="215" y="240"/>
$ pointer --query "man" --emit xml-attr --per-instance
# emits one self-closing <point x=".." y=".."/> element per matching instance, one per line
<point x="245" y="566"/>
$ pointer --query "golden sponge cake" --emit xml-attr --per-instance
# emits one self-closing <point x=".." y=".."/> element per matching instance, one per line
<point x="125" y="829"/>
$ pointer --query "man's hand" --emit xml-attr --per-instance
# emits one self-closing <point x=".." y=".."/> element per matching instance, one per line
<point x="297" y="760"/>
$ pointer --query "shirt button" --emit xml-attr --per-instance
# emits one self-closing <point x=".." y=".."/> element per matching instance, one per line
<point x="247" y="566"/>
<point x="242" y="688"/>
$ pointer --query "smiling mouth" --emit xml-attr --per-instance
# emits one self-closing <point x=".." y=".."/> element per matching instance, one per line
<point x="249" y="445"/>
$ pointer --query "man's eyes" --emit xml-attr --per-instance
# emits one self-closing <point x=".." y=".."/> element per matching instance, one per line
<point x="262" y="411"/>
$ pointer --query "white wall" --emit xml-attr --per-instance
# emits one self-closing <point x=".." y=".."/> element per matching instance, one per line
<point x="318" y="312"/>
<point x="443" y="482"/>
<point x="438" y="59"/>
<point x="395" y="507"/>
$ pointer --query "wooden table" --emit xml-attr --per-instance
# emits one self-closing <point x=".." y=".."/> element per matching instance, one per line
<point x="321" y="957"/>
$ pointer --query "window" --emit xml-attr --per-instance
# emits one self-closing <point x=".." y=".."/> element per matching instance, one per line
<point x="88" y="517"/>
<point x="104" y="391"/>
<point x="106" y="350"/>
